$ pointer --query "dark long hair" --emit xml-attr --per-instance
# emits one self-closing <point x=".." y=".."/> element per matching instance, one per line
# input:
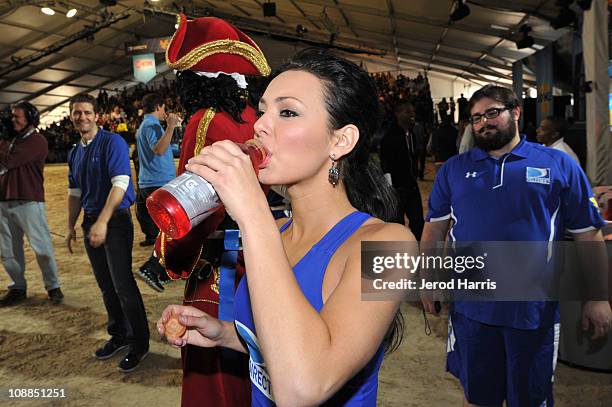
<point x="221" y="93"/>
<point x="350" y="98"/>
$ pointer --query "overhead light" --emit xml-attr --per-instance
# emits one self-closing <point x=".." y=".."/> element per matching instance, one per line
<point x="499" y="27"/>
<point x="527" y="41"/>
<point x="300" y="30"/>
<point x="533" y="93"/>
<point x="71" y="13"/>
<point x="461" y="10"/>
<point x="566" y="16"/>
<point x="47" y="10"/>
<point x="269" y="9"/>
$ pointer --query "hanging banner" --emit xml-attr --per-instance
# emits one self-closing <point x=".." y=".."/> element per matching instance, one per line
<point x="144" y="67"/>
<point x="544" y="81"/>
<point x="156" y="45"/>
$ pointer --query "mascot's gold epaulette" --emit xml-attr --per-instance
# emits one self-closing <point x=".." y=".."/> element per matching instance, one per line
<point x="202" y="130"/>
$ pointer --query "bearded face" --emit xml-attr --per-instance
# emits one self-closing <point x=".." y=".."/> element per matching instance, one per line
<point x="497" y="125"/>
<point x="493" y="136"/>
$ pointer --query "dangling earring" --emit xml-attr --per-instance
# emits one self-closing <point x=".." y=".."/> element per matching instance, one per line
<point x="334" y="174"/>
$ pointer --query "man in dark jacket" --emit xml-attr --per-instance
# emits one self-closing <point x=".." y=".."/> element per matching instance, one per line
<point x="22" y="206"/>
<point x="444" y="141"/>
<point x="398" y="160"/>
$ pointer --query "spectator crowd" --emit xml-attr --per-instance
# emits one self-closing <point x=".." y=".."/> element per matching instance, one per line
<point x="121" y="112"/>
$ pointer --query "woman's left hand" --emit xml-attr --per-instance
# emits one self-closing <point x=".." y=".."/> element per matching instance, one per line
<point x="231" y="173"/>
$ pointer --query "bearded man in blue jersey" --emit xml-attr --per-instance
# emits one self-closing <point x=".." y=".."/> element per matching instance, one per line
<point x="507" y="350"/>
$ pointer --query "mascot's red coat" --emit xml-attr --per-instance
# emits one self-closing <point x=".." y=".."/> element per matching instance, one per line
<point x="212" y="377"/>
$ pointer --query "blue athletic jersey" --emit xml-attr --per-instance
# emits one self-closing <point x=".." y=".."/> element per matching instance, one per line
<point x="533" y="193"/>
<point x="91" y="168"/>
<point x="362" y="389"/>
<point x="155" y="170"/>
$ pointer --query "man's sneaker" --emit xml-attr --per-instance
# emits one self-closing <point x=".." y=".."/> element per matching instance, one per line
<point x="56" y="296"/>
<point x="12" y="297"/>
<point x="109" y="349"/>
<point x="163" y="278"/>
<point x="150" y="278"/>
<point x="131" y="361"/>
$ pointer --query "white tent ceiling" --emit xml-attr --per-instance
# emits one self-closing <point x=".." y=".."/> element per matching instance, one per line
<point x="392" y="34"/>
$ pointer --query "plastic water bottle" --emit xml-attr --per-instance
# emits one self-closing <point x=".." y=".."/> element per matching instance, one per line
<point x="188" y="199"/>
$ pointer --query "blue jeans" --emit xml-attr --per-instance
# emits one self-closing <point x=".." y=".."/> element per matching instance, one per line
<point x="26" y="217"/>
<point x="112" y="267"/>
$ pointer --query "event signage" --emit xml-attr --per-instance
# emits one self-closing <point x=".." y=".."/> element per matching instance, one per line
<point x="155" y="45"/>
<point x="144" y="67"/>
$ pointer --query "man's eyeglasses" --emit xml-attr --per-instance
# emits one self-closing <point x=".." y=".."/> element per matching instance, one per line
<point x="488" y="114"/>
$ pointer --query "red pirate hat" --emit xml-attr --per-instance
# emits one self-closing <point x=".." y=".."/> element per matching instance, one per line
<point x="209" y="44"/>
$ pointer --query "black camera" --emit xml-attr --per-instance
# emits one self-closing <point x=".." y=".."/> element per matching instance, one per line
<point x="6" y="124"/>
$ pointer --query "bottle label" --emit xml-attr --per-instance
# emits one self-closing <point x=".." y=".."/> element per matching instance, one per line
<point x="197" y="197"/>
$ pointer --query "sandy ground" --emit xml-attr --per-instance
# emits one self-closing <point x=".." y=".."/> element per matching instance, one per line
<point x="51" y="346"/>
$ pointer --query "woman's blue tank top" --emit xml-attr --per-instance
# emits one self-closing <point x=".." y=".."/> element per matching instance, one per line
<point x="362" y="389"/>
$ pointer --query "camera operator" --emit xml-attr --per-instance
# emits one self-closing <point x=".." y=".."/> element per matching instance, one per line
<point x="22" y="207"/>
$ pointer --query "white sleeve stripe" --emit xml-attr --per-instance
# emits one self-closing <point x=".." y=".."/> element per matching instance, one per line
<point x="582" y="230"/>
<point x="121" y="181"/>
<point x="74" y="192"/>
<point x="441" y="218"/>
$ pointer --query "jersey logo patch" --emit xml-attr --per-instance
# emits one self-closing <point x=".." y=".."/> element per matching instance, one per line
<point x="538" y="175"/>
<point x="471" y="174"/>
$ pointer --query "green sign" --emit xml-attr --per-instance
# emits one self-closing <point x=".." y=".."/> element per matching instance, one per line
<point x="144" y="67"/>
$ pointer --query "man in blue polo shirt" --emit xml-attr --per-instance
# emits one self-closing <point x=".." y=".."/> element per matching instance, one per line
<point x="99" y="181"/>
<point x="507" y="189"/>
<point x="156" y="169"/>
<point x="155" y="158"/>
